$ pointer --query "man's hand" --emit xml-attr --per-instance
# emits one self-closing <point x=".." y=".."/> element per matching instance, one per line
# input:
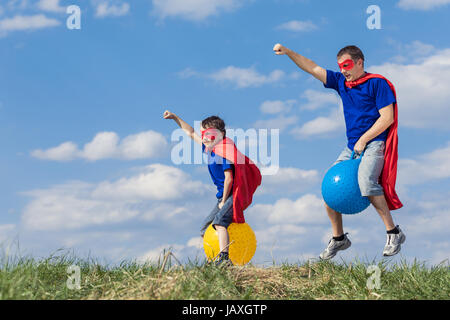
<point x="169" y="115"/>
<point x="220" y="205"/>
<point x="280" y="50"/>
<point x="360" y="146"/>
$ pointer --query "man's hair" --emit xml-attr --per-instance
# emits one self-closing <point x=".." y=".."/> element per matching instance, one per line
<point x="214" y="122"/>
<point x="353" y="51"/>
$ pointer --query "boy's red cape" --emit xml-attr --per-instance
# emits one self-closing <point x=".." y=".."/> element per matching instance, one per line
<point x="389" y="174"/>
<point x="247" y="177"/>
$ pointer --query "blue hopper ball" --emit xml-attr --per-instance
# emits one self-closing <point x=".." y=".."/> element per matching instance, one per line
<point x="340" y="188"/>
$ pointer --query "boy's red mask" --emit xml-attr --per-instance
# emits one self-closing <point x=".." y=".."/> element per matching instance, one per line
<point x="210" y="133"/>
<point x="347" y="64"/>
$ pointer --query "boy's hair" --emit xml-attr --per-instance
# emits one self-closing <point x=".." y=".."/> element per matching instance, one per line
<point x="214" y="122"/>
<point x="353" y="51"/>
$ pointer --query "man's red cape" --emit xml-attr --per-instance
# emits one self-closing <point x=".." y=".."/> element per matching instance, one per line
<point x="389" y="174"/>
<point x="247" y="177"/>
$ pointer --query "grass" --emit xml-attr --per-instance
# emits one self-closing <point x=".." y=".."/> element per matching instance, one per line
<point x="28" y="278"/>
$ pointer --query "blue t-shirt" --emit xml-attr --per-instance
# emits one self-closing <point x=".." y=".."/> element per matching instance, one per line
<point x="361" y="104"/>
<point x="216" y="167"/>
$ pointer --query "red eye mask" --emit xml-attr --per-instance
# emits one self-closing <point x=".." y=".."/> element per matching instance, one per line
<point x="210" y="133"/>
<point x="347" y="64"/>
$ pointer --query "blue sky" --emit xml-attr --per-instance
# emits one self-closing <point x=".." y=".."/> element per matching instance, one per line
<point x="86" y="156"/>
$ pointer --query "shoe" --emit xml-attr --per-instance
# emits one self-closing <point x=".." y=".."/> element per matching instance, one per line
<point x="223" y="260"/>
<point x="393" y="243"/>
<point x="334" y="246"/>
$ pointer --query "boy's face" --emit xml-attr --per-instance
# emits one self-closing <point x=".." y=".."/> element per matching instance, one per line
<point x="211" y="136"/>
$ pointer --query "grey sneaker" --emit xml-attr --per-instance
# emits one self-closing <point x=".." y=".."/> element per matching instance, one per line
<point x="393" y="243"/>
<point x="334" y="246"/>
<point x="223" y="260"/>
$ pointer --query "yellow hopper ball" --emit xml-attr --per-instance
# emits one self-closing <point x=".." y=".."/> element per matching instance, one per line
<point x="242" y="243"/>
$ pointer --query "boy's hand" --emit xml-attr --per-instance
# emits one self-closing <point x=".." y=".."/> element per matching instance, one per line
<point x="169" y="115"/>
<point x="220" y="205"/>
<point x="280" y="50"/>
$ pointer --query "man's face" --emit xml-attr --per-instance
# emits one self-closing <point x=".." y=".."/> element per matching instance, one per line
<point x="210" y="136"/>
<point x="350" y="69"/>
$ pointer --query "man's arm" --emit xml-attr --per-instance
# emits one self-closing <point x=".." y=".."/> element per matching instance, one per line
<point x="228" y="183"/>
<point x="183" y="125"/>
<point x="384" y="121"/>
<point x="303" y="63"/>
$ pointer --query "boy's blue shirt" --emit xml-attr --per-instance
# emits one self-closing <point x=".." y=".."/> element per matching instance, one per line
<point x="216" y="167"/>
<point x="361" y="104"/>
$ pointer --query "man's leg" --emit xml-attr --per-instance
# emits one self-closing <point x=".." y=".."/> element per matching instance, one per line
<point x="336" y="221"/>
<point x="369" y="172"/>
<point x="380" y="204"/>
<point x="339" y="241"/>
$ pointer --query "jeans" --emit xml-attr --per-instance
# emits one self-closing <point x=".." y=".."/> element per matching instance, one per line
<point x="370" y="168"/>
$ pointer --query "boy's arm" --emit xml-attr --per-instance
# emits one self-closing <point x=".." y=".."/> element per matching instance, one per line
<point x="228" y="183"/>
<point x="303" y="63"/>
<point x="183" y="125"/>
<point x="383" y="122"/>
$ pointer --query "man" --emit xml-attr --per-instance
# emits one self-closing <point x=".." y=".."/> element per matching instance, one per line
<point x="370" y="111"/>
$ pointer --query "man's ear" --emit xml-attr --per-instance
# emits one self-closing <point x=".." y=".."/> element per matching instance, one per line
<point x="360" y="62"/>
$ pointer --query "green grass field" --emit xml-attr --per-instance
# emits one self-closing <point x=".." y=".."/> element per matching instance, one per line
<point x="27" y="278"/>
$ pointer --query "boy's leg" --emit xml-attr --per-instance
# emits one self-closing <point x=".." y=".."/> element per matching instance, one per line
<point x="209" y="219"/>
<point x="222" y="220"/>
<point x="224" y="238"/>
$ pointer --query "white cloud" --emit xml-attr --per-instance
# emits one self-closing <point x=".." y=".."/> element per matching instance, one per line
<point x="192" y="10"/>
<point x="6" y="232"/>
<point x="287" y="181"/>
<point x="297" y="26"/>
<point x="281" y="122"/>
<point x="196" y="242"/>
<point x="50" y="5"/>
<point x="155" y="182"/>
<point x="318" y="99"/>
<point x="24" y="23"/>
<point x="246" y="77"/>
<point x="426" y="167"/>
<point x="104" y="145"/>
<point x="422" y="90"/>
<point x="157" y="254"/>
<point x="77" y="204"/>
<point x="64" y="152"/>
<point x="321" y="126"/>
<point x="306" y="209"/>
<point x="276" y="106"/>
<point x="421" y="4"/>
<point x="109" y="8"/>
<point x="143" y="145"/>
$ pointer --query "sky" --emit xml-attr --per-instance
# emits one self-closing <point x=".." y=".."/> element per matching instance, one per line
<point x="89" y="165"/>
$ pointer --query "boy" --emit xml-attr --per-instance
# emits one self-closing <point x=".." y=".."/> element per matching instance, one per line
<point x="234" y="175"/>
<point x="370" y="110"/>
